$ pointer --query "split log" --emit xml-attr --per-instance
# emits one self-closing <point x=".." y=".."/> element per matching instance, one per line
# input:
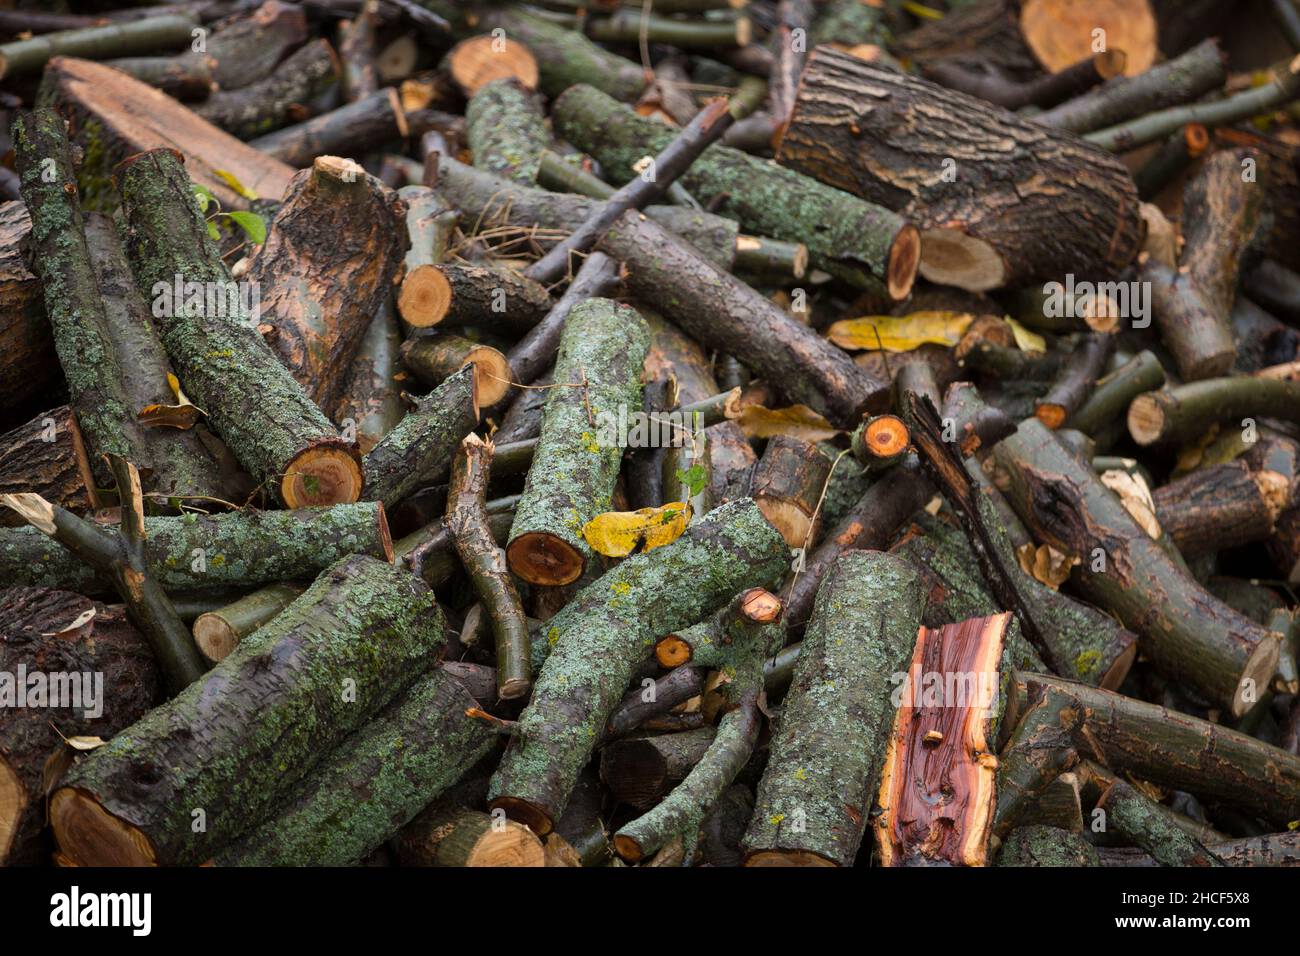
<point x="112" y="116"/>
<point x="217" y="633"/>
<point x="263" y="415"/>
<point x="993" y="222"/>
<point x="722" y="312"/>
<point x="1170" y="748"/>
<point x="1193" y="638"/>
<point x="827" y="754"/>
<point x="284" y="97"/>
<point x="71" y="640"/>
<point x="1129" y="813"/>
<point x="485" y="563"/>
<point x="444" y="835"/>
<point x="46" y="456"/>
<point x="370" y="401"/>
<point x="937" y="784"/>
<point x="354" y="128"/>
<point x="598" y="639"/>
<point x="854" y="240"/>
<point x="200" y="552"/>
<point x="22" y="57"/>
<point x="28" y="364"/>
<point x="602" y="351"/>
<point x="419" y="450"/>
<point x="506" y="131"/>
<point x="363" y="620"/>
<point x="410" y="753"/>
<point x="330" y="256"/>
<point x="787" y="485"/>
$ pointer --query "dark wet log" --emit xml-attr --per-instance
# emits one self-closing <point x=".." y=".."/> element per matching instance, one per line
<point x="651" y="700"/>
<point x="640" y="771"/>
<point x="1045" y="90"/>
<point x="363" y="620"/>
<point x="27" y="356"/>
<point x="330" y="256"/>
<point x="1091" y="227"/>
<point x="284" y="97"/>
<point x="355" y="128"/>
<point x="46" y="456"/>
<point x="246" y="49"/>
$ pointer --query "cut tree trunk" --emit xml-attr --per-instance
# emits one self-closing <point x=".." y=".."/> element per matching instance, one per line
<point x="266" y="419"/>
<point x="358" y="636"/>
<point x="433" y="359"/>
<point x="787" y="486"/>
<point x="330" y="257"/>
<point x="217" y="633"/>
<point x="47" y="456"/>
<point x="1022" y="203"/>
<point x="248" y="48"/>
<point x="27" y="357"/>
<point x="445" y="835"/>
<point x="489" y="297"/>
<point x="284" y="97"/>
<point x="642" y="770"/>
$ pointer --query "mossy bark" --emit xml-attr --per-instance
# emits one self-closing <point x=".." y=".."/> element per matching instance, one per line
<point x="1046" y="846"/>
<point x="290" y="692"/>
<point x="598" y="371"/>
<point x="827" y="753"/>
<point x="598" y="639"/>
<point x="1131" y="813"/>
<point x="193" y="551"/>
<point x="377" y="780"/>
<point x="419" y="450"/>
<point x="848" y="237"/>
<point x="506" y="131"/>
<point x="251" y="399"/>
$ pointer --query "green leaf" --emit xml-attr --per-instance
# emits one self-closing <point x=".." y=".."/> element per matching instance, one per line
<point x="203" y="195"/>
<point x="252" y="224"/>
<point x="693" y="478"/>
<point x="230" y="180"/>
<point x="212" y="231"/>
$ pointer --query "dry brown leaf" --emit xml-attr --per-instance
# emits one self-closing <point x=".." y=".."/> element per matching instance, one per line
<point x="796" y="421"/>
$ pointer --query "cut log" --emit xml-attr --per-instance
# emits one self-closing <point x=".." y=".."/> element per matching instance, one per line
<point x="112" y="116"/>
<point x="410" y="753"/>
<point x="506" y="131"/>
<point x="98" y="676"/>
<point x="22" y="57"/>
<point x="355" y="128"/>
<point x="489" y="297"/>
<point x="1022" y="204"/>
<point x="246" y="49"/>
<point x="857" y="241"/>
<point x="447" y="836"/>
<point x="323" y="668"/>
<point x="603" y="634"/>
<point x="826" y="757"/>
<point x="47" y="456"/>
<point x="642" y="770"/>
<point x="1059" y="32"/>
<point x="1076" y="382"/>
<point x="1176" y="416"/>
<point x="284" y="97"/>
<point x="937" y="784"/>
<point x="602" y="351"/>
<point x="480" y="60"/>
<point x="430" y="227"/>
<point x="1222" y="506"/>
<point x="218" y="633"/>
<point x="787" y="485"/>
<point x="181" y="77"/>
<point x="432" y="359"/>
<point x="27" y="358"/>
<point x="1131" y="814"/>
<point x="330" y="256"/>
<point x="263" y="415"/>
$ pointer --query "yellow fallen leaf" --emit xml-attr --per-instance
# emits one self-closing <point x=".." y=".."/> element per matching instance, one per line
<point x="616" y="534"/>
<point x="84" y="743"/>
<point x="233" y="182"/>
<point x="900" y="333"/>
<point x="1026" y="341"/>
<point x="796" y="421"/>
<point x="1045" y="564"/>
<point x="183" y="414"/>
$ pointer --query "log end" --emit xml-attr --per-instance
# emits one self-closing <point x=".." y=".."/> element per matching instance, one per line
<point x="1051" y="414"/>
<point x="215" y="638"/>
<point x="885" y="437"/>
<point x="904" y="261"/>
<point x="327" y="473"/>
<point x="475" y="62"/>
<point x="530" y="815"/>
<point x="760" y="606"/>
<point x="492" y="375"/>
<point x="541" y="558"/>
<point x="425" y="297"/>
<point x="1146" y="418"/>
<point x="788" y="517"/>
<point x="672" y="651"/>
<point x="88" y="835"/>
<point x="787" y="858"/>
<point x="512" y="845"/>
<point x="515" y="688"/>
<point x="951" y="257"/>
<point x="628" y="848"/>
<point x="1256" y="676"/>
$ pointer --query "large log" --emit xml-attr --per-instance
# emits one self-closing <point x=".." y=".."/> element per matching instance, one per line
<point x="27" y="357"/>
<point x="1000" y="200"/>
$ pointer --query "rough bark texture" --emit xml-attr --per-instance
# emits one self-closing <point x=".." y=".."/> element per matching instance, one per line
<point x="1046" y="846"/>
<point x="27" y="357"/>
<point x="330" y="256"/>
<point x="602" y="351"/>
<point x="380" y="777"/>
<point x="827" y="754"/>
<point x="1038" y="202"/>
<point x="1131" y="814"/>
<point x="39" y="635"/>
<point x="264" y="416"/>
<point x="349" y="129"/>
<point x="290" y="692"/>
<point x="284" y="97"/>
<point x="598" y="639"/>
<point x="787" y="485"/>
<point x="419" y="450"/>
<point x="371" y="396"/>
<point x="854" y="240"/>
<point x="505" y="130"/>
<point x="1221" y="506"/>
<point x="46" y="456"/>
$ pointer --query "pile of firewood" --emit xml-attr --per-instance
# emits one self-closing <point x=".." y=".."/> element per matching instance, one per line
<point x="604" y="432"/>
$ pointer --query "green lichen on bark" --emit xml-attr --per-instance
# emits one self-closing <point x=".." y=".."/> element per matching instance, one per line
<point x="1137" y="818"/>
<point x="224" y="364"/>
<point x="846" y="236"/>
<point x="576" y="464"/>
<point x="1046" y="846"/>
<point x="600" y="637"/>
<point x="506" y="131"/>
<point x="194" y="552"/>
<point x="374" y="783"/>
<point x="827" y="753"/>
<point x="61" y="259"/>
<point x="234" y="743"/>
<point x="419" y="450"/>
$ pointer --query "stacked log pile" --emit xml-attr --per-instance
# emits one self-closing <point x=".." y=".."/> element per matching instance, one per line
<point x="699" y="433"/>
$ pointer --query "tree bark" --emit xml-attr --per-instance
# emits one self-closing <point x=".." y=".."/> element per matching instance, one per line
<point x="284" y="97"/>
<point x="22" y="57"/>
<point x="28" y="363"/>
<point x="47" y="456"/>
<point x="506" y="131"/>
<point x="353" y="128"/>
<point x="1130" y="813"/>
